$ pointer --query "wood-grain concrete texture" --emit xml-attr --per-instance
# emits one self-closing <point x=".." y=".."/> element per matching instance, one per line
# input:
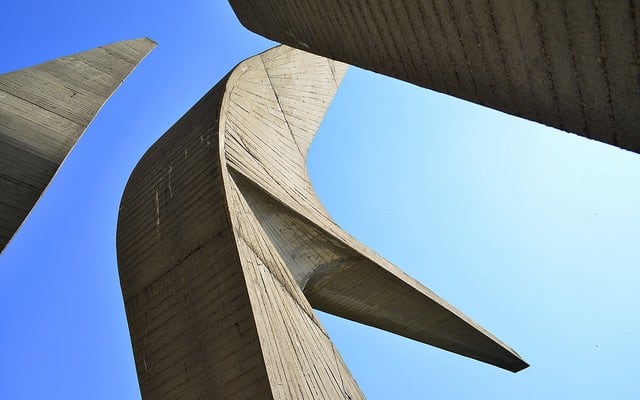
<point x="224" y="249"/>
<point x="43" y="112"/>
<point x="573" y="65"/>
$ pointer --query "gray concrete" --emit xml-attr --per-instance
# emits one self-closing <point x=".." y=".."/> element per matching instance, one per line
<point x="573" y="65"/>
<point x="43" y="112"/>
<point x="224" y="249"/>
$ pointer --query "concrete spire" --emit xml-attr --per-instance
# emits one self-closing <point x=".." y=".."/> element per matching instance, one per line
<point x="224" y="249"/>
<point x="43" y="112"/>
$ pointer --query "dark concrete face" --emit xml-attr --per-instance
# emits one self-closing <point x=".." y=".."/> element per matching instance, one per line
<point x="43" y="112"/>
<point x="573" y="65"/>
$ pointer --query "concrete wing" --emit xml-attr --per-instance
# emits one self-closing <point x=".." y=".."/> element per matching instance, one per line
<point x="274" y="102"/>
<point x="43" y="112"/>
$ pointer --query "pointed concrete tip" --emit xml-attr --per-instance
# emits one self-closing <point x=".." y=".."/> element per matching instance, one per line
<point x="150" y="40"/>
<point x="143" y="42"/>
<point x="523" y="365"/>
<point x="136" y="49"/>
<point x="512" y="362"/>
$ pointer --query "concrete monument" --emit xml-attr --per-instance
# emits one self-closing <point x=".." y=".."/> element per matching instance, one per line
<point x="224" y="249"/>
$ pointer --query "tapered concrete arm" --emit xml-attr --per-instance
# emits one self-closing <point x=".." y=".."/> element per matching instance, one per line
<point x="43" y="112"/>
<point x="374" y="295"/>
<point x="338" y="274"/>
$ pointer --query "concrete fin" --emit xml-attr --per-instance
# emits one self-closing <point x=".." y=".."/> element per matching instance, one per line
<point x="338" y="279"/>
<point x="338" y="274"/>
<point x="43" y="112"/>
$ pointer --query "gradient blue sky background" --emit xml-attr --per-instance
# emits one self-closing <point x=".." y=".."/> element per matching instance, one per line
<point x="532" y="232"/>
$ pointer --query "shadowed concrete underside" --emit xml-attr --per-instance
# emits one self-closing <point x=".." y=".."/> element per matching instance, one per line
<point x="43" y="111"/>
<point x="223" y="250"/>
<point x="573" y="65"/>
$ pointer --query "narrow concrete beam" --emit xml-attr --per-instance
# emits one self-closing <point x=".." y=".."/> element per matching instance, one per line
<point x="43" y="112"/>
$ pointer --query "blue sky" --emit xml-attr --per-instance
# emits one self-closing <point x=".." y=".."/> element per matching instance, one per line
<point x="530" y="231"/>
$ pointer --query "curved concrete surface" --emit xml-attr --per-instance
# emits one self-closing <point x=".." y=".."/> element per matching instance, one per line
<point x="223" y="250"/>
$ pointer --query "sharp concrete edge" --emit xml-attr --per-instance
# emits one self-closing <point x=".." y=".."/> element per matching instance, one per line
<point x="338" y="274"/>
<point x="44" y="110"/>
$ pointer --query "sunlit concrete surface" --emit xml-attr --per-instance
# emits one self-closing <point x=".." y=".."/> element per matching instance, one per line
<point x="43" y="112"/>
<point x="573" y="65"/>
<point x="224" y="249"/>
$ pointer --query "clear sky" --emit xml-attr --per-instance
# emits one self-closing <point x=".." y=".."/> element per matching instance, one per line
<point x="532" y="232"/>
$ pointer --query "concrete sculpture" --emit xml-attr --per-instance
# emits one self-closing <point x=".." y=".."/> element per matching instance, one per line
<point x="43" y="112"/>
<point x="224" y="249"/>
<point x="573" y="65"/>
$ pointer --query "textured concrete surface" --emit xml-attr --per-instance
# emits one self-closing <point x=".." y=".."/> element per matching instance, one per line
<point x="224" y="249"/>
<point x="43" y="111"/>
<point x="573" y="65"/>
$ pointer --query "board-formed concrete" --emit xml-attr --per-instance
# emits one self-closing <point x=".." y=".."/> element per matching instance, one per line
<point x="573" y="65"/>
<point x="224" y="249"/>
<point x="43" y="112"/>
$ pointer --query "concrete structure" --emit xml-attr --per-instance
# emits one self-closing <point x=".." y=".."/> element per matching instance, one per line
<point x="224" y="249"/>
<point x="573" y="65"/>
<point x="43" y="111"/>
